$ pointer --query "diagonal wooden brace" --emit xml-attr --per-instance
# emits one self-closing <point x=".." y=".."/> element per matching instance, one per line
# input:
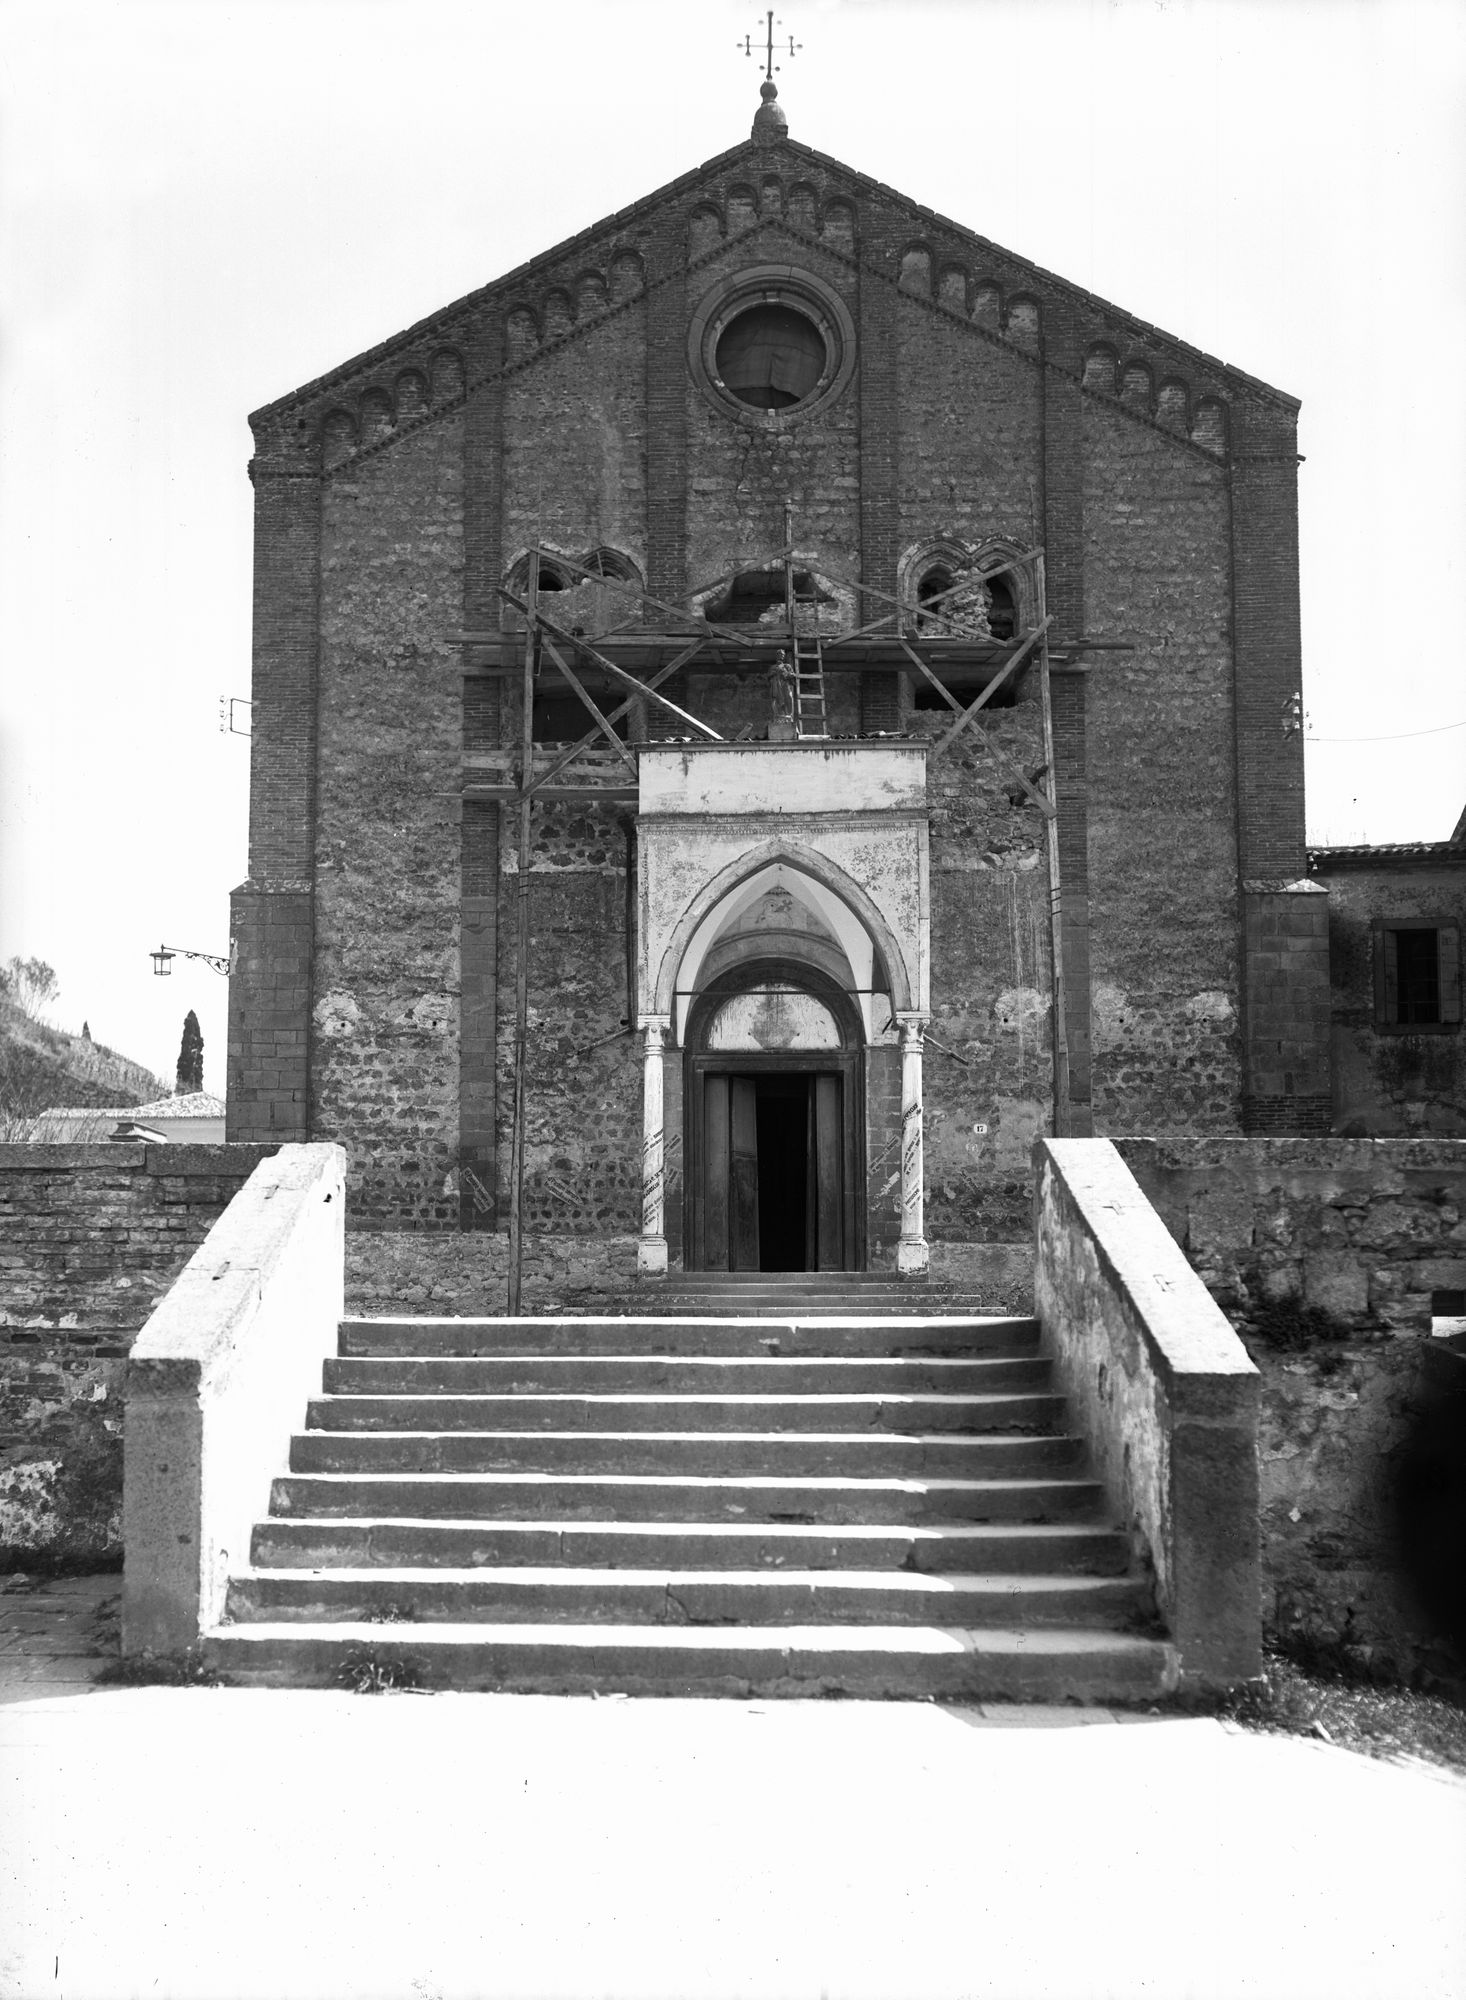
<point x="580" y="688"/>
<point x="1040" y="799"/>
<point x="1009" y="668"/>
<point x="609" y="667"/>
<point x="569" y="756"/>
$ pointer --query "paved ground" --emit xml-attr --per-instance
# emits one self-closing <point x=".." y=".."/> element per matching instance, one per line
<point x="197" y="1843"/>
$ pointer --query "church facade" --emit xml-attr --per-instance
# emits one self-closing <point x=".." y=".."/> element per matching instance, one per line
<point x="926" y="634"/>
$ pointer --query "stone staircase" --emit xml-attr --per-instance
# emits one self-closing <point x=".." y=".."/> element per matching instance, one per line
<point x="781" y="1485"/>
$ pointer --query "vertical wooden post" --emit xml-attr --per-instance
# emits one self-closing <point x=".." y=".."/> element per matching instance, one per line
<point x="789" y="576"/>
<point x="521" y="967"/>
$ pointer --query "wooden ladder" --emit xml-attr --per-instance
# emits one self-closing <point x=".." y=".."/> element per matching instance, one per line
<point x="809" y="688"/>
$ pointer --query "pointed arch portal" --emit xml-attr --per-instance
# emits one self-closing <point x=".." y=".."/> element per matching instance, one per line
<point x="781" y="994"/>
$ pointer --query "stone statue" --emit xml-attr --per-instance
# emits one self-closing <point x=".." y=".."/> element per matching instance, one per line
<point x="783" y="686"/>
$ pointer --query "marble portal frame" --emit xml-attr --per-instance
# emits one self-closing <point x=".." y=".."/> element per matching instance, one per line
<point x="844" y="828"/>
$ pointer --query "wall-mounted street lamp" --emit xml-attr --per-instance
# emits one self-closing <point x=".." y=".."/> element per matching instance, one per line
<point x="164" y="956"/>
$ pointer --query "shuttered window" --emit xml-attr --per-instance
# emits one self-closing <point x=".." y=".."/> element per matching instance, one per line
<point x="1417" y="975"/>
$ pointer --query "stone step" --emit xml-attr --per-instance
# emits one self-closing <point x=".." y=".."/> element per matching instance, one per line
<point x="796" y="1285"/>
<point x="660" y="1374"/>
<point x="685" y="1415"/>
<point x="784" y="1454"/>
<point x="986" y="1548"/>
<point x="801" y="1305"/>
<point x="850" y="1334"/>
<point x="863" y="1660"/>
<point x="685" y="1597"/>
<point x="579" y="1497"/>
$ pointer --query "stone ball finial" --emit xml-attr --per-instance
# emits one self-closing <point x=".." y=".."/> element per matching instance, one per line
<point x="769" y="121"/>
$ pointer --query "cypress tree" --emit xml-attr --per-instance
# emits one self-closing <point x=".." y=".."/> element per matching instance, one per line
<point x="191" y="1056"/>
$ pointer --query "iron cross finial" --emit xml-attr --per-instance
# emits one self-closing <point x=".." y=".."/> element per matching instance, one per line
<point x="770" y="66"/>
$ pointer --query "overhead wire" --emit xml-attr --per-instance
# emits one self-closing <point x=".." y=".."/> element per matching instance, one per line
<point x="1400" y="737"/>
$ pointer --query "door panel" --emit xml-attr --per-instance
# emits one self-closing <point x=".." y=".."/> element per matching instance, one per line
<point x="743" y="1174"/>
<point x="829" y="1173"/>
<point x="714" y="1246"/>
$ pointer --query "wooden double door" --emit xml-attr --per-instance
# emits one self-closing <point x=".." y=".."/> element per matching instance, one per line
<point x="773" y="1166"/>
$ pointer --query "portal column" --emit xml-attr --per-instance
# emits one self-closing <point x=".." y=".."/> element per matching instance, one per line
<point x="651" y="1251"/>
<point x="912" y="1255"/>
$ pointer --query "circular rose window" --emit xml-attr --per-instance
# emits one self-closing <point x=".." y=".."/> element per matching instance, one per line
<point x="772" y="345"/>
<point x="771" y="356"/>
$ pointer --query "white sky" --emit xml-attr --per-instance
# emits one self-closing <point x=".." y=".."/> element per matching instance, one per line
<point x="203" y="205"/>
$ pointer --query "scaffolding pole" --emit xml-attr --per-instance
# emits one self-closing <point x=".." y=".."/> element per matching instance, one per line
<point x="521" y="962"/>
<point x="539" y="629"/>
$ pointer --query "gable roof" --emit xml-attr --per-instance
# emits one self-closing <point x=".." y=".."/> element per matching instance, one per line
<point x="1105" y="320"/>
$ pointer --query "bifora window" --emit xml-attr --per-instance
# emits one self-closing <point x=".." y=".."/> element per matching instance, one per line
<point x="771" y="356"/>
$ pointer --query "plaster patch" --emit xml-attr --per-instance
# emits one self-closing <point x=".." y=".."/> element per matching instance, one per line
<point x="1020" y="1007"/>
<point x="337" y="1015"/>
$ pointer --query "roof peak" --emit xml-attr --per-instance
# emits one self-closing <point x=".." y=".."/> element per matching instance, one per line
<point x="769" y="121"/>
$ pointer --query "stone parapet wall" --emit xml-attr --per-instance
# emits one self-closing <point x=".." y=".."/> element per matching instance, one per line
<point x="1364" y="1230"/>
<point x="216" y="1383"/>
<point x="1166" y="1398"/>
<point x="90" y="1239"/>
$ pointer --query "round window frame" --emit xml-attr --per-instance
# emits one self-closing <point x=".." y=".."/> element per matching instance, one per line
<point x="799" y="291"/>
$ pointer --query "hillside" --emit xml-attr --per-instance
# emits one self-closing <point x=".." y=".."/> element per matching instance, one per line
<point x="42" y="1067"/>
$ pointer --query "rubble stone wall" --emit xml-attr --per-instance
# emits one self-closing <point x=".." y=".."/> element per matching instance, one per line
<point x="90" y="1239"/>
<point x="1363" y="1230"/>
<point x="1325" y="1254"/>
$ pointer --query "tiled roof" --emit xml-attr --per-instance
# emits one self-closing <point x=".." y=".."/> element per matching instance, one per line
<point x="1448" y="853"/>
<point x="194" y="1104"/>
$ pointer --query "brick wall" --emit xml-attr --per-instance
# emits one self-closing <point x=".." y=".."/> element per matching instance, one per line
<point x="90" y="1239"/>
<point x="1286" y="1009"/>
<point x="1285" y="1042"/>
<point x="271" y="915"/>
<point x="560" y="406"/>
<point x="385" y="1036"/>
<point x="970" y="421"/>
<point x="1162" y="856"/>
<point x="879" y="388"/>
<point x="1267" y="642"/>
<point x="271" y="934"/>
